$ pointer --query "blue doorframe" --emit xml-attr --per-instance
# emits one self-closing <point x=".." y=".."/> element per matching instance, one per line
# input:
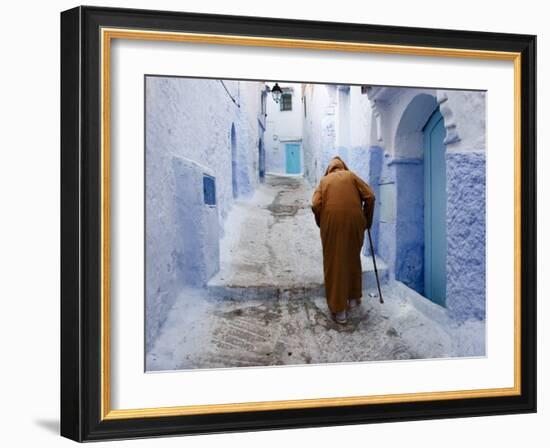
<point x="293" y="159"/>
<point x="261" y="160"/>
<point x="435" y="210"/>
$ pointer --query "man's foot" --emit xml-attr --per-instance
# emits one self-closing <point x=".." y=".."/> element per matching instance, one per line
<point x="340" y="317"/>
<point x="353" y="303"/>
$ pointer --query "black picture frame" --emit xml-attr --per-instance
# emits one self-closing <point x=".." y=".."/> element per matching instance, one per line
<point x="81" y="224"/>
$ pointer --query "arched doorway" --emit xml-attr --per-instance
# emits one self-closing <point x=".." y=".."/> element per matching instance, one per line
<point x="435" y="210"/>
<point x="402" y="221"/>
<point x="234" y="171"/>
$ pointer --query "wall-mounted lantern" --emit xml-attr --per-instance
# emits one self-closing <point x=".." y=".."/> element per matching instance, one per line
<point x="276" y="93"/>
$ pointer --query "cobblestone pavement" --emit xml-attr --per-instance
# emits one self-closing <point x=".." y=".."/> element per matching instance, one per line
<point x="204" y="332"/>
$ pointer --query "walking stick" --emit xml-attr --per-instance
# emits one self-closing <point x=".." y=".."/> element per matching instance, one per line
<point x="375" y="270"/>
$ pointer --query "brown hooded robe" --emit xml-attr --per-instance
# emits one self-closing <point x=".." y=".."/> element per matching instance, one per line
<point x="343" y="205"/>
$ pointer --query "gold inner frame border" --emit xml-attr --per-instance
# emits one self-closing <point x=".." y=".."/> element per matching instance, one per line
<point x="107" y="35"/>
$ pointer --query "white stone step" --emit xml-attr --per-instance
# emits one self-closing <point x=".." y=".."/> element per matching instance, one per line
<point x="254" y="288"/>
<point x="272" y="246"/>
<point x="369" y="276"/>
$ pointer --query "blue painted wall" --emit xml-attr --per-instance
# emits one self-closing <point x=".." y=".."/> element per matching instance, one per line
<point x="409" y="268"/>
<point x="466" y="234"/>
<point x="366" y="162"/>
<point x="376" y="158"/>
<point x="398" y="227"/>
<point x="386" y="219"/>
<point x="198" y="257"/>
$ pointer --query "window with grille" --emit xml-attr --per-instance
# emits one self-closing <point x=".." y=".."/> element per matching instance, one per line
<point x="209" y="189"/>
<point x="286" y="101"/>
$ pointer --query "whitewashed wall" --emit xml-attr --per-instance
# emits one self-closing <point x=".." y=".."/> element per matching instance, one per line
<point x="188" y="134"/>
<point x="319" y="129"/>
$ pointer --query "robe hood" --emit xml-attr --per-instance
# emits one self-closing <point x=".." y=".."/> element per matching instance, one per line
<point x="336" y="164"/>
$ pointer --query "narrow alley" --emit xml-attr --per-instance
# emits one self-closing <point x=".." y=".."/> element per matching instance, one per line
<point x="233" y="256"/>
<point x="266" y="306"/>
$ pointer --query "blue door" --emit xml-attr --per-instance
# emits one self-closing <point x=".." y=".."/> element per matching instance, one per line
<point x="292" y="158"/>
<point x="435" y="210"/>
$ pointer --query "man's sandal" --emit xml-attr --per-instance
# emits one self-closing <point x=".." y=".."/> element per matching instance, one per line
<point x="340" y="317"/>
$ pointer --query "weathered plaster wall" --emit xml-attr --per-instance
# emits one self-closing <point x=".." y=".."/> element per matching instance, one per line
<point x="465" y="121"/>
<point x="353" y="117"/>
<point x="360" y="118"/>
<point x="466" y="234"/>
<point x="342" y="122"/>
<point x="188" y="133"/>
<point x="319" y="130"/>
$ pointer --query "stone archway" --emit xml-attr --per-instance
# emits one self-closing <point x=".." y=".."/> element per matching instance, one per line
<point x="409" y="131"/>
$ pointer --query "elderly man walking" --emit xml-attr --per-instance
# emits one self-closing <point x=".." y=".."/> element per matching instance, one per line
<point x="343" y="205"/>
